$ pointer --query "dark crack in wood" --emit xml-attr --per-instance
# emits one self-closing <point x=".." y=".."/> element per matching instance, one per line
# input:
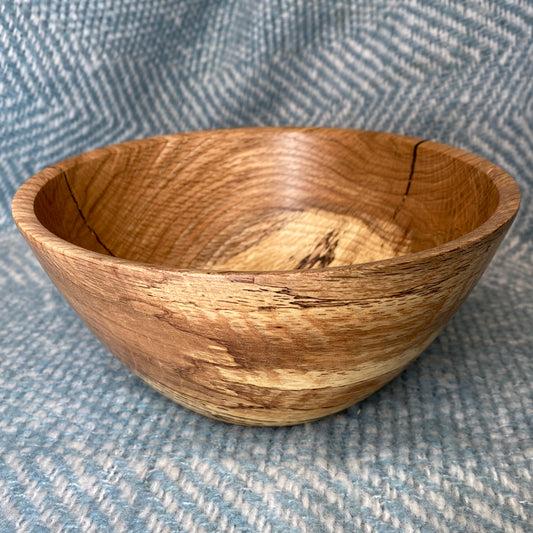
<point x="80" y="212"/>
<point x="410" y="179"/>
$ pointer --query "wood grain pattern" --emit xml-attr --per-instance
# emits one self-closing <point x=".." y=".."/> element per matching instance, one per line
<point x="267" y="276"/>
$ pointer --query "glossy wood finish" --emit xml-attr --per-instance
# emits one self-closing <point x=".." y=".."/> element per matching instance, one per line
<point x="267" y="276"/>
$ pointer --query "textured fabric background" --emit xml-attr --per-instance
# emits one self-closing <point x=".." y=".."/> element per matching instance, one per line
<point x="86" y="446"/>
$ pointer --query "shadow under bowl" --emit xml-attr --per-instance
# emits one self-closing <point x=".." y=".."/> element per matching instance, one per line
<point x="267" y="276"/>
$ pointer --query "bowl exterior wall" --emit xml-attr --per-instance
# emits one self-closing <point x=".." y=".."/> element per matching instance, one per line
<point x="268" y="348"/>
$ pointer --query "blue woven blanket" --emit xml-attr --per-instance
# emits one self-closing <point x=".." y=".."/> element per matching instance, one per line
<point x="87" y="446"/>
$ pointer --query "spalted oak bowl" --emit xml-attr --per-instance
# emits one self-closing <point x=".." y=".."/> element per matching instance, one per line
<point x="267" y="276"/>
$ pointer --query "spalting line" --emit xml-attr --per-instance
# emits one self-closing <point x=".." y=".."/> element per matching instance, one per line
<point x="83" y="217"/>
<point x="323" y="253"/>
<point x="410" y="179"/>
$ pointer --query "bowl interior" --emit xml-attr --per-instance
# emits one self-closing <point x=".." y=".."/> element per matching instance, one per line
<point x="265" y="199"/>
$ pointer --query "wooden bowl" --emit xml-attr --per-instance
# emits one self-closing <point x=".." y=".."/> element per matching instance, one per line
<point x="267" y="276"/>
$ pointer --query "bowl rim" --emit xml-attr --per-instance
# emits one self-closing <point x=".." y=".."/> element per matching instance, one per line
<point x="23" y="212"/>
